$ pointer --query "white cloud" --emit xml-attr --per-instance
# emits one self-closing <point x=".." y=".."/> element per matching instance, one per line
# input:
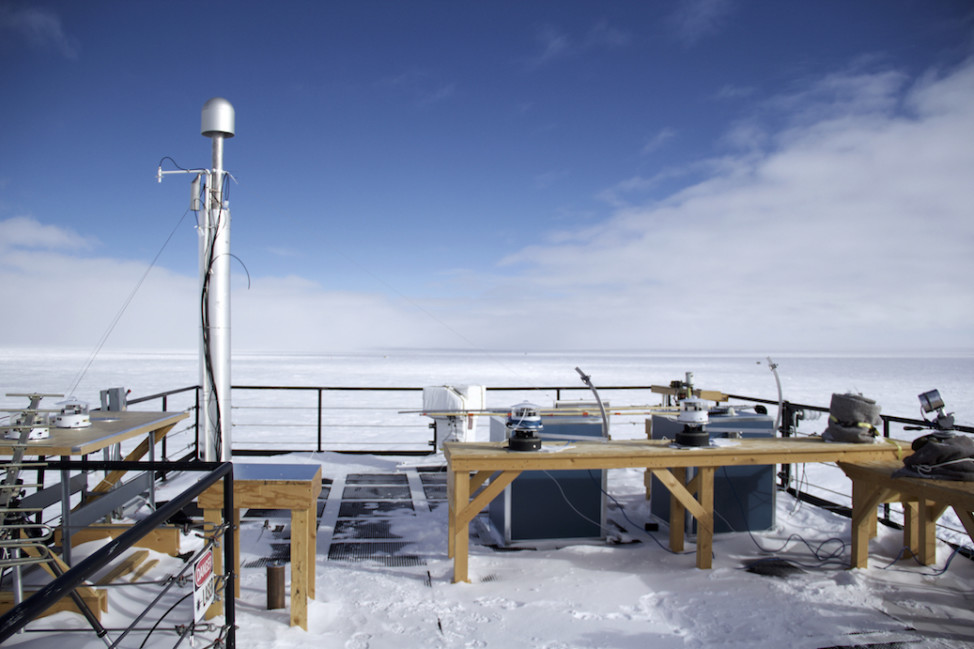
<point x="25" y="232"/>
<point x="730" y="92"/>
<point x="423" y="87"/>
<point x="850" y="229"/>
<point x="662" y="137"/>
<point x="556" y="44"/>
<point x="605" y="35"/>
<point x="295" y="314"/>
<point x="693" y="20"/>
<point x="549" y="178"/>
<point x="55" y="296"/>
<point x="40" y="28"/>
<point x="846" y="226"/>
<point x="286" y="252"/>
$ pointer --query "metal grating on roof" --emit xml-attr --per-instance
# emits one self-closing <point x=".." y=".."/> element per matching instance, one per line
<point x="384" y="552"/>
<point x="435" y="492"/>
<point x="377" y="492"/>
<point x="353" y="528"/>
<point x="377" y="478"/>
<point x="357" y="508"/>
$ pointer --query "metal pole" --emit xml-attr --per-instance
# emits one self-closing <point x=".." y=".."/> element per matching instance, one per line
<point x="218" y="123"/>
<point x="206" y="431"/>
<point x="320" y="394"/>
<point x="219" y="305"/>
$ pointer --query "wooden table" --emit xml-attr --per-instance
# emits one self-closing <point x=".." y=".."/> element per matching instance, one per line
<point x="470" y="465"/>
<point x="107" y="430"/>
<point x="924" y="501"/>
<point x="273" y="486"/>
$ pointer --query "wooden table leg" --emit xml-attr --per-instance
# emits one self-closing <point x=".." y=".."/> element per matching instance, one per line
<point x="451" y="514"/>
<point x="865" y="499"/>
<point x="702" y="510"/>
<point x="930" y="513"/>
<point x="911" y="527"/>
<point x="300" y="538"/>
<point x="678" y="514"/>
<point x="312" y="548"/>
<point x="459" y="533"/>
<point x="464" y="510"/>
<point x="705" y="524"/>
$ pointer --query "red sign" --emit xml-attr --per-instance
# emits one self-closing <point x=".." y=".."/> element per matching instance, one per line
<point x="205" y="591"/>
<point x="204" y="568"/>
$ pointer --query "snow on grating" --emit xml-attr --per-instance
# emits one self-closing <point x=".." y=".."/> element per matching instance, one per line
<point x="362" y="531"/>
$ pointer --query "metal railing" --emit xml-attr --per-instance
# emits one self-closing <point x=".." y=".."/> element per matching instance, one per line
<point x="185" y="399"/>
<point x="313" y="419"/>
<point x="794" y="413"/>
<point x="329" y="422"/>
<point x="67" y="583"/>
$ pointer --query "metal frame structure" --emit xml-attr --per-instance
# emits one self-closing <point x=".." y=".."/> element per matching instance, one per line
<point x="64" y="585"/>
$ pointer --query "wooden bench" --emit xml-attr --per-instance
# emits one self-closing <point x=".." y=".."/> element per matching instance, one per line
<point x="924" y="501"/>
<point x="471" y="464"/>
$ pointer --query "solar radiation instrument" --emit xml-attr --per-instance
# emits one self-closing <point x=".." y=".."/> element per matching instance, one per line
<point x="524" y="428"/>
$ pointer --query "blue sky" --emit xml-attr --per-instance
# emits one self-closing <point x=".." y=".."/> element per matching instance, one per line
<point x="702" y="175"/>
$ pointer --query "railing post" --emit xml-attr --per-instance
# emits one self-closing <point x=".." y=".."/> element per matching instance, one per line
<point x="228" y="560"/>
<point x="196" y="426"/>
<point x="320" y="404"/>
<point x="165" y="447"/>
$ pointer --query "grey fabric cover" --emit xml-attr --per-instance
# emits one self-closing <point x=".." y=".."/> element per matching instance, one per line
<point x="940" y="456"/>
<point x="852" y="418"/>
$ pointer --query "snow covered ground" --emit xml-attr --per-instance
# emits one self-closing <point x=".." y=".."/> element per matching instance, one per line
<point x="629" y="593"/>
<point x="624" y="594"/>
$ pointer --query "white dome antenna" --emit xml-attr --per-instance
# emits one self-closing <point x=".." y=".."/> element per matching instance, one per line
<point x="218" y="118"/>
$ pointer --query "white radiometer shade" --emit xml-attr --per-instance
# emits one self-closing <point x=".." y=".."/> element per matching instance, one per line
<point x="693" y="411"/>
<point x="450" y="407"/>
<point x="445" y="400"/>
<point x="218" y="118"/>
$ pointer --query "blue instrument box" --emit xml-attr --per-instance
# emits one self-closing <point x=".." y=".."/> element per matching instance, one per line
<point x="556" y="506"/>
<point x="744" y="496"/>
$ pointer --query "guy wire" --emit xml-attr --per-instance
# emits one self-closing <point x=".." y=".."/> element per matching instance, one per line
<point x="121" y="311"/>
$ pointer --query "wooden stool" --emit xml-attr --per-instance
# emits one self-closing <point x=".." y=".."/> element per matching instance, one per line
<point x="273" y="486"/>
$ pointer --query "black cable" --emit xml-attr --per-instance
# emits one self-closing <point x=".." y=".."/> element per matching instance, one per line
<point x="244" y="266"/>
<point x="159" y="621"/>
<point x="176" y="164"/>
<point x="205" y="321"/>
<point x="630" y="521"/>
<point x="935" y="573"/>
<point x="816" y="551"/>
